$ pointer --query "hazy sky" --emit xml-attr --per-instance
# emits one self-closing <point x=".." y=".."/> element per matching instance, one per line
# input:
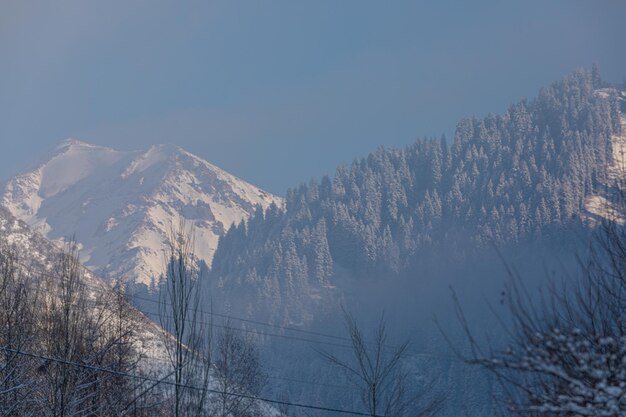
<point x="277" y="92"/>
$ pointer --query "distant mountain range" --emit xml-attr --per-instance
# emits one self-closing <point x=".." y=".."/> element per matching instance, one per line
<point x="119" y="206"/>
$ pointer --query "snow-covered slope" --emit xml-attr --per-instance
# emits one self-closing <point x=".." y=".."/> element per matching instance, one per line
<point x="39" y="255"/>
<point x="602" y="205"/>
<point x="120" y="205"/>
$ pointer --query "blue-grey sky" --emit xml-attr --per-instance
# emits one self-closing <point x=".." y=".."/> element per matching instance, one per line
<point x="278" y="92"/>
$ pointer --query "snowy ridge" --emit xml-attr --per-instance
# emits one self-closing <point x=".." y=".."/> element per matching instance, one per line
<point x="601" y="206"/>
<point x="120" y="205"/>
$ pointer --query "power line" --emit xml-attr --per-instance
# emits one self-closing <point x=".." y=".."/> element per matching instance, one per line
<point x="238" y="329"/>
<point x="301" y="381"/>
<point x="102" y="290"/>
<point x="175" y="384"/>
<point x="227" y="316"/>
<point x="201" y="322"/>
<point x="147" y="313"/>
<point x="255" y="332"/>
<point x="280" y="378"/>
<point x="408" y="353"/>
<point x="212" y="313"/>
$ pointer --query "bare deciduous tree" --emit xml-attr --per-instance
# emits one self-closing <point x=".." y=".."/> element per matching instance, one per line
<point x="567" y="353"/>
<point x="17" y="303"/>
<point x="376" y="371"/>
<point x="187" y="336"/>
<point x="238" y="375"/>
<point x="89" y="337"/>
<point x="66" y="330"/>
<point x="67" y="346"/>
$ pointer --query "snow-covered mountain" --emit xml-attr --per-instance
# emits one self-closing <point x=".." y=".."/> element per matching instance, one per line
<point x="119" y="206"/>
<point x="38" y="255"/>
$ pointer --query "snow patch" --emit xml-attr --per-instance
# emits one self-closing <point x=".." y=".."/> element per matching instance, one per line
<point x="601" y="206"/>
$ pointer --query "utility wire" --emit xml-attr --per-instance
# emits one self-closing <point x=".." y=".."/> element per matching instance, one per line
<point x="103" y="290"/>
<point x="227" y="316"/>
<point x="280" y="378"/>
<point x="158" y="381"/>
<point x="254" y="331"/>
<point x="212" y="313"/>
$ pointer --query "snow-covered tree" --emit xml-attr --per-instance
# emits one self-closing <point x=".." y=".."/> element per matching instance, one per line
<point x="567" y="353"/>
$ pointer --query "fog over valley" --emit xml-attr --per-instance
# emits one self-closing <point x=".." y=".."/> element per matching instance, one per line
<point x="243" y="209"/>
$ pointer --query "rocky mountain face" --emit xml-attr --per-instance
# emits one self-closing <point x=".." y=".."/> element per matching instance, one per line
<point x="119" y="206"/>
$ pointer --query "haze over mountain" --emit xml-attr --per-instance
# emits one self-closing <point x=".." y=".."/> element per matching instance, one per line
<point x="312" y="209"/>
<point x="120" y="205"/>
<point x="389" y="232"/>
<point x="393" y="230"/>
<point x="543" y="165"/>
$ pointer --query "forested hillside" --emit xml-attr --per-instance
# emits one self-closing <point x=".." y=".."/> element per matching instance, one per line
<point x="504" y="178"/>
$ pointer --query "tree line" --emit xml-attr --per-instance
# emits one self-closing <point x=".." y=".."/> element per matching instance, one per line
<point x="504" y="179"/>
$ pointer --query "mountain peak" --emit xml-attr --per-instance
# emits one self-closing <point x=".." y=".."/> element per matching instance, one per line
<point x="119" y="204"/>
<point x="71" y="144"/>
<point x="168" y="148"/>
